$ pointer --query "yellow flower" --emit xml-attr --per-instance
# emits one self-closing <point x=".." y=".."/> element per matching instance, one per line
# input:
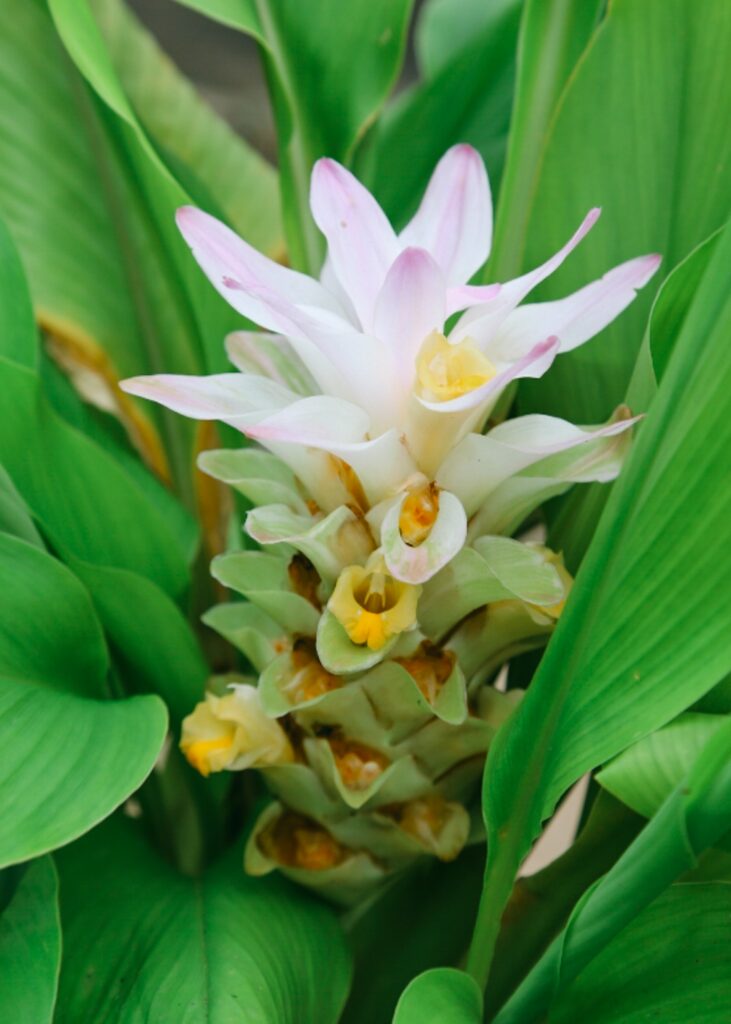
<point x="371" y="605"/>
<point x="447" y="371"/>
<point x="299" y="842"/>
<point x="418" y="513"/>
<point x="233" y="732"/>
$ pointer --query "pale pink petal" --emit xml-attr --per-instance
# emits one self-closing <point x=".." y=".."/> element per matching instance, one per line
<point x="481" y="322"/>
<point x="329" y="280"/>
<point x="365" y="369"/>
<point x="314" y="422"/>
<point x="462" y="296"/>
<point x="578" y="317"/>
<point x="532" y="364"/>
<point x="344" y="363"/>
<point x="454" y="221"/>
<point x="257" y="287"/>
<point x="234" y="398"/>
<point x="361" y="242"/>
<point x="409" y="307"/>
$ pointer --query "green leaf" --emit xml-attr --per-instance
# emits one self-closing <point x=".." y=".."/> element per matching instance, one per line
<point x="30" y="947"/>
<point x="62" y="748"/>
<point x="213" y="164"/>
<point x="154" y="646"/>
<point x="466" y="97"/>
<point x="106" y="229"/>
<point x="673" y="302"/>
<point x="81" y="757"/>
<point x="18" y="339"/>
<point x="718" y="700"/>
<point x="651" y="598"/>
<point x="552" y="38"/>
<point x="15" y="518"/>
<point x="670" y="965"/>
<point x="330" y="67"/>
<point x="48" y="622"/>
<point x="209" y="316"/>
<point x="439" y="995"/>
<point x="84" y="230"/>
<point x="142" y="942"/>
<point x="645" y="774"/>
<point x="86" y="503"/>
<point x="445" y="27"/>
<point x="695" y="816"/>
<point x="636" y="133"/>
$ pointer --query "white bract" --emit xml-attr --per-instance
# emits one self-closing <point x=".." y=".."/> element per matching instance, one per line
<point x="360" y="392"/>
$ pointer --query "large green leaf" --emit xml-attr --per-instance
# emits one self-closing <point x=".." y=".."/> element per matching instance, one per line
<point x="63" y="749"/>
<point x="644" y="633"/>
<point x="552" y="38"/>
<point x="214" y="165"/>
<point x="445" y="27"/>
<point x="17" y="332"/>
<point x="30" y="947"/>
<point x="88" y="505"/>
<point x="154" y="646"/>
<point x="637" y="134"/>
<point x="669" y="965"/>
<point x="52" y="193"/>
<point x="15" y="517"/>
<point x="466" y="97"/>
<point x="160" y="193"/>
<point x="330" y="67"/>
<point x="144" y="943"/>
<point x="90" y="199"/>
<point x="79" y="756"/>
<point x="443" y="994"/>
<point x="50" y="632"/>
<point x="694" y="817"/>
<point x="94" y="260"/>
<point x="646" y="773"/>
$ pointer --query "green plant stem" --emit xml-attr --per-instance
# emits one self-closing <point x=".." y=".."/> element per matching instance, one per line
<point x="489" y="918"/>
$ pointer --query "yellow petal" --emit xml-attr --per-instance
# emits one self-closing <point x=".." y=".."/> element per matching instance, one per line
<point x="371" y="605"/>
<point x="447" y="371"/>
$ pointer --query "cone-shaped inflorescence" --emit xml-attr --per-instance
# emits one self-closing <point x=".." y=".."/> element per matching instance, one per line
<point x="374" y="704"/>
<point x="388" y="590"/>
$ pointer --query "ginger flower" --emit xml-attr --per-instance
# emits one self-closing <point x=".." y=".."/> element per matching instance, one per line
<point x="359" y="388"/>
<point x="299" y="842"/>
<point x="233" y="732"/>
<point x="371" y="605"/>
